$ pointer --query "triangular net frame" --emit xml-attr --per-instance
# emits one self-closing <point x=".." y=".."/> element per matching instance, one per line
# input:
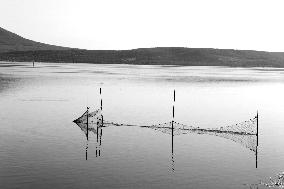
<point x="90" y="121"/>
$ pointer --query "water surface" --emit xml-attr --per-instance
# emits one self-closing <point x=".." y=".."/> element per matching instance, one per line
<point x="40" y="146"/>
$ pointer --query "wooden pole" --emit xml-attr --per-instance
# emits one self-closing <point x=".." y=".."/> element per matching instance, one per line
<point x="87" y="123"/>
<point x="172" y="137"/>
<point x="173" y="123"/>
<point x="256" y="140"/>
<point x="257" y="129"/>
<point x="102" y="125"/>
<point x="256" y="158"/>
<point x="101" y="99"/>
<point x="101" y="121"/>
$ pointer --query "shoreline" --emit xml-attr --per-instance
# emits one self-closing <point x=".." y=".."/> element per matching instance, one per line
<point x="121" y="64"/>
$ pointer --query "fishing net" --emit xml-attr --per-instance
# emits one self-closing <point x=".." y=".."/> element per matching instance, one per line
<point x="90" y="117"/>
<point x="277" y="182"/>
<point x="244" y="133"/>
<point x="90" y="121"/>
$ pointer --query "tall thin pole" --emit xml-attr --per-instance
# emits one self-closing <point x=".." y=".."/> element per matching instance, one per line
<point x="101" y="99"/>
<point x="257" y="128"/>
<point x="102" y="118"/>
<point x="173" y="131"/>
<point x="173" y="122"/>
<point x="87" y="151"/>
<point x="102" y="122"/>
<point x="172" y="136"/>
<point x="87" y="123"/>
<point x="256" y="140"/>
<point x="256" y="158"/>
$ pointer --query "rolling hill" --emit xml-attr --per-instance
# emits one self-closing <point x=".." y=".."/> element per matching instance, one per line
<point x="16" y="48"/>
<point x="13" y="42"/>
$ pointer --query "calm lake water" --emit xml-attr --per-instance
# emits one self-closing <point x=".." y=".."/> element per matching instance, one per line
<point x="40" y="146"/>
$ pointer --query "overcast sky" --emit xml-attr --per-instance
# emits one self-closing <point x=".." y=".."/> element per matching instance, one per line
<point x="128" y="24"/>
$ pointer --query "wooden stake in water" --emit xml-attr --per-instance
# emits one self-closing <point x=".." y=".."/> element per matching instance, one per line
<point x="256" y="158"/>
<point x="257" y="128"/>
<point x="87" y="123"/>
<point x="172" y="160"/>
<point x="173" y="123"/>
<point x="87" y="151"/>
<point x="256" y="150"/>
<point x="101" y="114"/>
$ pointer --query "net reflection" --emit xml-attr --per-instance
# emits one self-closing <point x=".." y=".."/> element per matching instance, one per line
<point x="93" y="125"/>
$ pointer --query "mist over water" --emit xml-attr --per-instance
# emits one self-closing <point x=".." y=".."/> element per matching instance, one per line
<point x="41" y="147"/>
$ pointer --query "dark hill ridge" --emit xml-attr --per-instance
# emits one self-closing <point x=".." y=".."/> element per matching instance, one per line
<point x="16" y="48"/>
<point x="154" y="56"/>
<point x="13" y="42"/>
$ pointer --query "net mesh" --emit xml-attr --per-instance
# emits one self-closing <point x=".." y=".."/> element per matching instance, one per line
<point x="244" y="133"/>
<point x="277" y="182"/>
<point x="91" y="121"/>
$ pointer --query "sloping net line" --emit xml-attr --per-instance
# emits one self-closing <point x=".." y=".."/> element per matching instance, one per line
<point x="170" y="127"/>
<point x="244" y="133"/>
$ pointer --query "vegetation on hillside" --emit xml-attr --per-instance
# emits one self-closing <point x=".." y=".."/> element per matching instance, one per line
<point x="19" y="49"/>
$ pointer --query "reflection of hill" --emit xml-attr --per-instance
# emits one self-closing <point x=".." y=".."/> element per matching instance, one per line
<point x="7" y="82"/>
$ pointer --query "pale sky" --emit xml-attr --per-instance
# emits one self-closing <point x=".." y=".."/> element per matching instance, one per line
<point x="128" y="24"/>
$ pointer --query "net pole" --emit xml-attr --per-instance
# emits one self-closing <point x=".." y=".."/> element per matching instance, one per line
<point x="256" y="140"/>
<point x="173" y="122"/>
<point x="256" y="158"/>
<point x="102" y="122"/>
<point x="87" y="123"/>
<point x="87" y="151"/>
<point x="101" y="99"/>
<point x="173" y="131"/>
<point x="101" y="115"/>
<point x="172" y="136"/>
<point x="257" y="128"/>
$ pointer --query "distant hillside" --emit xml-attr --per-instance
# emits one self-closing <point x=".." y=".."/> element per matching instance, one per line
<point x="154" y="56"/>
<point x="16" y="48"/>
<point x="12" y="42"/>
